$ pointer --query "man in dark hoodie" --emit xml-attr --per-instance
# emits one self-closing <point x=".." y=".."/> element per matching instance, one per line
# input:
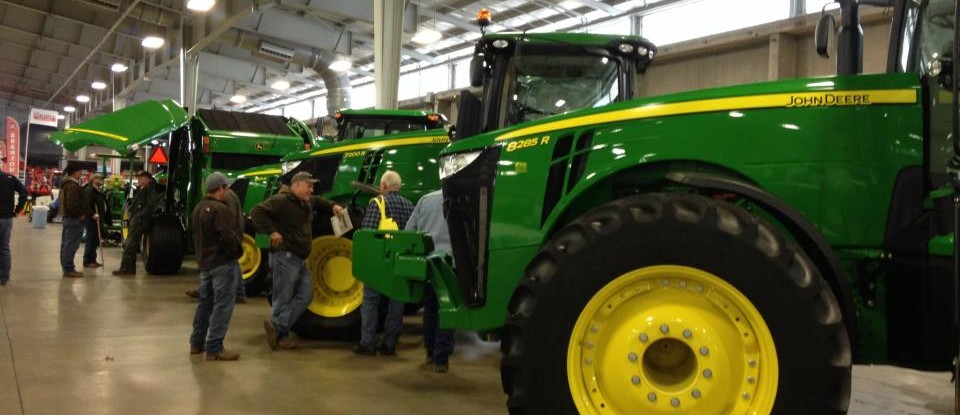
<point x="74" y="209"/>
<point x="141" y="209"/>
<point x="288" y="217"/>
<point x="9" y="184"/>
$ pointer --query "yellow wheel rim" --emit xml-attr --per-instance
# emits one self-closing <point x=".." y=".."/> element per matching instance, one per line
<point x="250" y="260"/>
<point x="336" y="292"/>
<point x="671" y="340"/>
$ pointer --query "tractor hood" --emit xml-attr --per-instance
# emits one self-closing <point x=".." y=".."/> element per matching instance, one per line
<point x="123" y="129"/>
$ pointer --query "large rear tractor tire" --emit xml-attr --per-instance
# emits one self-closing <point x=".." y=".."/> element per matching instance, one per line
<point x="334" y="312"/>
<point x="254" y="267"/>
<point x="674" y="304"/>
<point x="163" y="246"/>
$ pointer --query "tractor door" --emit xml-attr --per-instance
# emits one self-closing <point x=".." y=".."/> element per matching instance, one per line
<point x="918" y="280"/>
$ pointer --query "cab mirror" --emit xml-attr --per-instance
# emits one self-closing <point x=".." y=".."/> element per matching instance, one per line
<point x="476" y="71"/>
<point x="825" y="26"/>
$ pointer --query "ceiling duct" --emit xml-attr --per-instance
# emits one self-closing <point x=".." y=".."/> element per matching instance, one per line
<point x="276" y="52"/>
<point x="112" y="5"/>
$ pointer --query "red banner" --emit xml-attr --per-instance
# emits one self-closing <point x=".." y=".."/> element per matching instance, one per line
<point x="10" y="147"/>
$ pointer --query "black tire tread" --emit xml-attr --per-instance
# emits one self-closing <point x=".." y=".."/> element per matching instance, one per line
<point x="588" y="230"/>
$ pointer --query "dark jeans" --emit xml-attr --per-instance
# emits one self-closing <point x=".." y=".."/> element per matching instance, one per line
<point x="70" y="242"/>
<point x="214" y="308"/>
<point x="92" y="241"/>
<point x="241" y="285"/>
<point x="292" y="290"/>
<point x="439" y="342"/>
<point x="370" y="314"/>
<point x="131" y="246"/>
<point x="6" y="225"/>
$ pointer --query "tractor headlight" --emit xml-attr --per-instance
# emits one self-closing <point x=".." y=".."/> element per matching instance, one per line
<point x="451" y="164"/>
<point x="625" y="48"/>
<point x="289" y="165"/>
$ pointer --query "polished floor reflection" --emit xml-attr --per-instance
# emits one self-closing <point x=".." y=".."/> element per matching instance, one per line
<point x="110" y="345"/>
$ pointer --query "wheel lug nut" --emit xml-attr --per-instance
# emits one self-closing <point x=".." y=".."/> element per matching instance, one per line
<point x="632" y="357"/>
<point x="594" y="329"/>
<point x="644" y="337"/>
<point x="589" y="345"/>
<point x="652" y="397"/>
<point x="683" y="284"/>
<point x="751" y="380"/>
<point x="665" y="282"/>
<point x="675" y="402"/>
<point x="704" y="350"/>
<point x="664" y="328"/>
<point x="687" y="333"/>
<point x="589" y="361"/>
<point x="746" y="396"/>
<point x="707" y="373"/>
<point x="699" y="288"/>
<point x="696" y="393"/>
<point x="635" y="380"/>
<point x="752" y="363"/>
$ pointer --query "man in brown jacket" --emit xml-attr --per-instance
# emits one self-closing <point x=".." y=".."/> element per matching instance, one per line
<point x="73" y="209"/>
<point x="217" y="244"/>
<point x="288" y="217"/>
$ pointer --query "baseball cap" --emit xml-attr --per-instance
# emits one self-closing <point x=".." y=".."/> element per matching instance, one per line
<point x="215" y="180"/>
<point x="303" y="176"/>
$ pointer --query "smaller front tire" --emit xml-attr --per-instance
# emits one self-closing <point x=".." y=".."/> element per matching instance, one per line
<point x="163" y="246"/>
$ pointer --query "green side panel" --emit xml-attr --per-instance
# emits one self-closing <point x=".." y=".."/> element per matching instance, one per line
<point x="401" y="269"/>
<point x="121" y="129"/>
<point x="866" y="271"/>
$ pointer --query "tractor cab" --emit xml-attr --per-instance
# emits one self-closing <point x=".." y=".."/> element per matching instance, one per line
<point x="529" y="76"/>
<point x="356" y="124"/>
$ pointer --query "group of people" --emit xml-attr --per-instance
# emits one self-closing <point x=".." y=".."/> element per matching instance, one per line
<point x="84" y="210"/>
<point x="287" y="217"/>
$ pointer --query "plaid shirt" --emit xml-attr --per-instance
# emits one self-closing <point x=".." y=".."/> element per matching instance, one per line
<point x="398" y="209"/>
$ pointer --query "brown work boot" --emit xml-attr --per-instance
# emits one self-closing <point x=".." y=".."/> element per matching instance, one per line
<point x="287" y="344"/>
<point x="196" y="350"/>
<point x="224" y="355"/>
<point x="271" y="335"/>
<point x="73" y="274"/>
<point x="193" y="293"/>
<point x="92" y="265"/>
<point x="123" y="273"/>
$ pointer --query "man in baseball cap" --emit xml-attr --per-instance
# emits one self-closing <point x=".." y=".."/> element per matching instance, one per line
<point x="144" y="204"/>
<point x="288" y="217"/>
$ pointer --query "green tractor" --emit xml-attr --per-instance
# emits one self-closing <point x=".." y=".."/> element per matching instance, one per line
<point x="212" y="140"/>
<point x="724" y="251"/>
<point x="348" y="171"/>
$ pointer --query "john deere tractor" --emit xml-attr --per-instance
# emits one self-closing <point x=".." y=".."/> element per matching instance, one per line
<point x="724" y="251"/>
<point x="368" y="143"/>
<point x="213" y="140"/>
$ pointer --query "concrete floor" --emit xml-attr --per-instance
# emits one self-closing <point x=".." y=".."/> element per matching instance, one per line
<point x="109" y="345"/>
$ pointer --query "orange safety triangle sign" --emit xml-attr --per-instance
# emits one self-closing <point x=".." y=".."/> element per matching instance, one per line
<point x="158" y="157"/>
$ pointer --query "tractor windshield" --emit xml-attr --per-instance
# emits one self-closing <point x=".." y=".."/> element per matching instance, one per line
<point x="543" y="85"/>
<point x="374" y="127"/>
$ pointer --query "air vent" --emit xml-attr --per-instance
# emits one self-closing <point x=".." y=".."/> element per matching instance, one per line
<point x="277" y="52"/>
<point x="112" y="5"/>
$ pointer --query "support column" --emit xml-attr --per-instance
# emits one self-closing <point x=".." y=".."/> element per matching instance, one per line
<point x="192" y="77"/>
<point x="798" y="7"/>
<point x="387" y="34"/>
<point x="782" y="59"/>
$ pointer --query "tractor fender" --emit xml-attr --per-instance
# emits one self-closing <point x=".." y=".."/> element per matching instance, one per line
<point x="806" y="235"/>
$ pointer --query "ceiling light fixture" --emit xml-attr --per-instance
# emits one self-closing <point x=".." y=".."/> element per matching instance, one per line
<point x="200" y="5"/>
<point x="280" y="85"/>
<point x="118" y="68"/>
<point x="83" y="99"/>
<point x="98" y="85"/>
<point x="69" y="109"/>
<point x="426" y="36"/>
<point x="341" y="64"/>
<point x="238" y="99"/>
<point x="152" y="42"/>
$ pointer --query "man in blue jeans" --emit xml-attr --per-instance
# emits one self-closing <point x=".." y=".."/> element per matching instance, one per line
<point x="9" y="185"/>
<point x="288" y="218"/>
<point x="427" y="217"/>
<point x="389" y="206"/>
<point x="74" y="209"/>
<point x="217" y="243"/>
